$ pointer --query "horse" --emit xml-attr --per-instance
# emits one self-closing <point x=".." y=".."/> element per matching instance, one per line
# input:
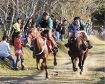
<point x="40" y="49"/>
<point x="78" y="49"/>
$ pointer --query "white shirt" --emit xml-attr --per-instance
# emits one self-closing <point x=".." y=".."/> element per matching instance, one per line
<point x="4" y="49"/>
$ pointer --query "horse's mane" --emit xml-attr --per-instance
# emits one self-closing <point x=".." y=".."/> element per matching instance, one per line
<point x="35" y="32"/>
<point x="38" y="40"/>
<point x="77" y="41"/>
<point x="81" y="40"/>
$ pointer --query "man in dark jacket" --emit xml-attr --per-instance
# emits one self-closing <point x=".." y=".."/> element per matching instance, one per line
<point x="63" y="29"/>
<point x="57" y="27"/>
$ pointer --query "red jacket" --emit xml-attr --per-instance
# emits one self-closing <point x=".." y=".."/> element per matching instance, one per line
<point x="17" y="43"/>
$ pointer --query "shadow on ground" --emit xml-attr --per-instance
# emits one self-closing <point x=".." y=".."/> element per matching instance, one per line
<point x="16" y="79"/>
<point x="102" y="81"/>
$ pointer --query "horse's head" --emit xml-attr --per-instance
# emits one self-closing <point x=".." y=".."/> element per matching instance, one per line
<point x="81" y="40"/>
<point x="76" y="41"/>
<point x="72" y="42"/>
<point x="32" y="34"/>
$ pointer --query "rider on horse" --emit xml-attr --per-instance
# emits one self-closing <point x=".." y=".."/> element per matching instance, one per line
<point x="75" y="29"/>
<point x="45" y="23"/>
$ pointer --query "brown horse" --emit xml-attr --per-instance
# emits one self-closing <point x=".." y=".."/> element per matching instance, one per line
<point x="78" y="49"/>
<point x="40" y="50"/>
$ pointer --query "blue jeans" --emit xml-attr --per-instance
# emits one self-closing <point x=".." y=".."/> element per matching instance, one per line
<point x="87" y="31"/>
<point x="57" y="35"/>
<point x="12" y="60"/>
<point x="62" y="37"/>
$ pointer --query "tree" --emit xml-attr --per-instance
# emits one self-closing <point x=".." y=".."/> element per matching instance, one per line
<point x="14" y="9"/>
<point x="7" y="14"/>
<point x="65" y="9"/>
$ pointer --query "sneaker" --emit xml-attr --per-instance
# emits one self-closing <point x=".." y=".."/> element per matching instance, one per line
<point x="15" y="68"/>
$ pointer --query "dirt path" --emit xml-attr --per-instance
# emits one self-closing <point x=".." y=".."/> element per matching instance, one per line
<point x="94" y="71"/>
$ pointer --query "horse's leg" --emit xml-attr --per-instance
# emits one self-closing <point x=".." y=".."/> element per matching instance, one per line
<point x="37" y="63"/>
<point x="55" y="60"/>
<point x="80" y="62"/>
<point x="73" y="59"/>
<point x="45" y="66"/>
<point x="42" y="65"/>
<point x="84" y="57"/>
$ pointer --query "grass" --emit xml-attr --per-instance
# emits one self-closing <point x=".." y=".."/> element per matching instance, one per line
<point x="96" y="40"/>
<point x="97" y="43"/>
<point x="29" y="63"/>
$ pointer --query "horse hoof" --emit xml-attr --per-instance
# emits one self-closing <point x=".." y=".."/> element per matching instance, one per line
<point x="75" y="69"/>
<point x="80" y="72"/>
<point x="55" y="63"/>
<point x="46" y="78"/>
